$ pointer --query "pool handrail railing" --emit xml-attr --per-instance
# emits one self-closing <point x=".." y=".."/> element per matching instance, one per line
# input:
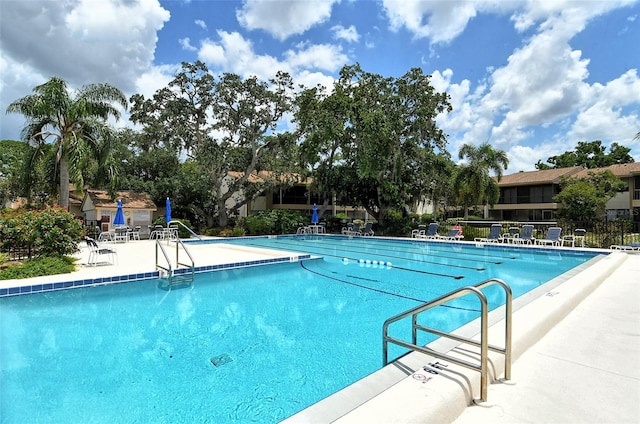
<point x="187" y="228"/>
<point x="171" y="273"/>
<point x="483" y="344"/>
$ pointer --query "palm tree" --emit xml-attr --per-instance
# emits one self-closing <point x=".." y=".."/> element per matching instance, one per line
<point x="472" y="182"/>
<point x="75" y="124"/>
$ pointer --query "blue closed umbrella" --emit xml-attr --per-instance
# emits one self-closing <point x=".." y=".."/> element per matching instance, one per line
<point x="314" y="216"/>
<point x="119" y="218"/>
<point x="167" y="218"/>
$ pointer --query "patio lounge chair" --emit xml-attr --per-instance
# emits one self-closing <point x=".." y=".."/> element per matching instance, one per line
<point x="526" y="236"/>
<point x="354" y="231"/>
<point x="454" y="234"/>
<point x="553" y="237"/>
<point x="430" y="233"/>
<point x="577" y="237"/>
<point x="631" y="247"/>
<point x="96" y="250"/>
<point x="367" y="231"/>
<point x="421" y="230"/>
<point x="495" y="235"/>
<point x="514" y="232"/>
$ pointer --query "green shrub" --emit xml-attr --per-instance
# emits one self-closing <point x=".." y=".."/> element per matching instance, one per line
<point x="50" y="265"/>
<point x="48" y="232"/>
<point x="335" y="223"/>
<point x="237" y="232"/>
<point x="397" y="225"/>
<point x="469" y="232"/>
<point x="259" y="225"/>
<point x="275" y="221"/>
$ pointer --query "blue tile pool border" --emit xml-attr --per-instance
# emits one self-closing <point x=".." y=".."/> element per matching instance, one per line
<point x="65" y="285"/>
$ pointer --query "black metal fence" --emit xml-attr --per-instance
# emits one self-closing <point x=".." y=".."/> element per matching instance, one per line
<point x="600" y="234"/>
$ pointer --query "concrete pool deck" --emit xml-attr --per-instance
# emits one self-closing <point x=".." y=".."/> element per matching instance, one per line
<point x="576" y="358"/>
<point x="139" y="256"/>
<point x="576" y="352"/>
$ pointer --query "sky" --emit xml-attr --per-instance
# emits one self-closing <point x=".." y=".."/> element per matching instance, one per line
<point x="532" y="78"/>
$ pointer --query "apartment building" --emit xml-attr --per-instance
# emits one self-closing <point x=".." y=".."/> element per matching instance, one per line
<point x="528" y="196"/>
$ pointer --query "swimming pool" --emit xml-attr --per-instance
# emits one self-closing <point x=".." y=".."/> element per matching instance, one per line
<point x="255" y="344"/>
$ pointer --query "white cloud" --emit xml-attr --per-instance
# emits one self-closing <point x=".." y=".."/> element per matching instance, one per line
<point x="81" y="41"/>
<point x="524" y="158"/>
<point x="201" y="23"/>
<point x="318" y="56"/>
<point x="536" y="11"/>
<point x="186" y="44"/>
<point x="283" y="18"/>
<point x="348" y="34"/>
<point x="155" y="78"/>
<point x="445" y="20"/>
<point x="234" y="53"/>
<point x="542" y="82"/>
<point x="602" y="117"/>
<point x="543" y="85"/>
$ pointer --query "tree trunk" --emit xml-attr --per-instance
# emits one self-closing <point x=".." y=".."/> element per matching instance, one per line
<point x="64" y="182"/>
<point x="223" y="218"/>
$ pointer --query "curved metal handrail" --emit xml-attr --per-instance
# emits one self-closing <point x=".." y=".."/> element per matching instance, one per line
<point x="187" y="228"/>
<point x="168" y="268"/>
<point x="192" y="266"/>
<point x="483" y="344"/>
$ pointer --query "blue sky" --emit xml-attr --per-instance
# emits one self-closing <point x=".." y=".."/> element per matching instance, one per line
<point x="532" y="78"/>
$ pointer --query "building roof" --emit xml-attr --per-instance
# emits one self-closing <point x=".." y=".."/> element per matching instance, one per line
<point x="619" y="170"/>
<point x="130" y="199"/>
<point x="263" y="176"/>
<point x="546" y="176"/>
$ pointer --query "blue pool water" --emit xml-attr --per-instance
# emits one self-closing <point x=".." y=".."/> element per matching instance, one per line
<point x="244" y="345"/>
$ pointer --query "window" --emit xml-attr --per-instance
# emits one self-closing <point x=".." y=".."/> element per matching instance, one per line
<point x="296" y="195"/>
<point x="523" y="195"/>
<point x="540" y="215"/>
<point x="541" y="194"/>
<point x="508" y="196"/>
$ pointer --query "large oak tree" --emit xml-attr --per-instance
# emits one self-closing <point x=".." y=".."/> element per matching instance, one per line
<point x="226" y="129"/>
<point x="373" y="141"/>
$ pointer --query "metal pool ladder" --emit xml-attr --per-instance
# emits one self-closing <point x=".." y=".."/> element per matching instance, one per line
<point x="173" y="276"/>
<point x="484" y="345"/>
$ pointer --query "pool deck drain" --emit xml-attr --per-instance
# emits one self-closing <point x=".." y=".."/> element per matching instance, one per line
<point x="220" y="360"/>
